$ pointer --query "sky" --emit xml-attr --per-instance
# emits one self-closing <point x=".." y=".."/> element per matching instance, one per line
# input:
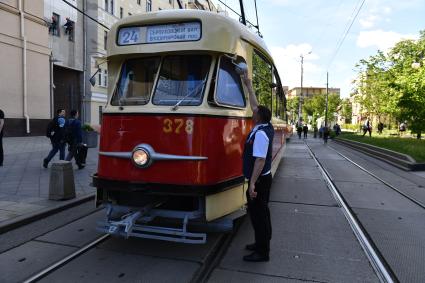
<point x="292" y="28"/>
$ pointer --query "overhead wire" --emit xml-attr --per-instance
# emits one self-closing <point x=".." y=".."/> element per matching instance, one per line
<point x="238" y="14"/>
<point x="82" y="12"/>
<point x="347" y="30"/>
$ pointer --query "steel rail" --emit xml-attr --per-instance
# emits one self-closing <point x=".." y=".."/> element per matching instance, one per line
<point x="421" y="204"/>
<point x="68" y="258"/>
<point x="378" y="265"/>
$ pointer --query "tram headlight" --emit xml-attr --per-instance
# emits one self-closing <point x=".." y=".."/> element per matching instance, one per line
<point x="141" y="157"/>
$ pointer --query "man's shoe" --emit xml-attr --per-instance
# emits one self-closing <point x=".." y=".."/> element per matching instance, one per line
<point x="256" y="257"/>
<point x="80" y="166"/>
<point x="250" y="247"/>
<point x="45" y="163"/>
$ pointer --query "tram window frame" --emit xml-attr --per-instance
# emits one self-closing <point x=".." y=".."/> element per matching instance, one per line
<point x="279" y="110"/>
<point x="119" y="100"/>
<point x="236" y="79"/>
<point x="182" y="100"/>
<point x="257" y="77"/>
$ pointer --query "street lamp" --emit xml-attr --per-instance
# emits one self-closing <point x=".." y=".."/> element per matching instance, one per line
<point x="301" y="91"/>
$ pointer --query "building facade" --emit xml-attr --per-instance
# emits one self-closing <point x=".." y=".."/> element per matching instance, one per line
<point x="66" y="41"/>
<point x="24" y="68"/>
<point x="311" y="91"/>
<point x="51" y="53"/>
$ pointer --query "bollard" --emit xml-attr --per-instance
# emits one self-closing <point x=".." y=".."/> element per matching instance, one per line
<point x="61" y="186"/>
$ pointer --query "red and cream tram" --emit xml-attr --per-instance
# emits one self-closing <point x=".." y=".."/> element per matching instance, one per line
<point x="173" y="131"/>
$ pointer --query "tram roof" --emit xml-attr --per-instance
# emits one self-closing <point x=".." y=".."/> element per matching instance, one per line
<point x="219" y="33"/>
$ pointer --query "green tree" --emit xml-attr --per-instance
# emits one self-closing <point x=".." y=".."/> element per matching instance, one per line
<point x="316" y="106"/>
<point x="292" y="106"/>
<point x="394" y="83"/>
<point x="376" y="94"/>
<point x="346" y="110"/>
<point x="409" y="80"/>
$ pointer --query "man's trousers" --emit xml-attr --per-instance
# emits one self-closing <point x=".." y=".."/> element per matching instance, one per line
<point x="258" y="210"/>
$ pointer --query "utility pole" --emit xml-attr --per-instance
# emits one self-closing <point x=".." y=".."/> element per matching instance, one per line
<point x="242" y="12"/>
<point x="327" y="94"/>
<point x="301" y="90"/>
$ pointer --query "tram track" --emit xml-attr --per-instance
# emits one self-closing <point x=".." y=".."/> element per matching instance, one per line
<point x="201" y="275"/>
<point x="41" y="274"/>
<point x="381" y="267"/>
<point x="414" y="200"/>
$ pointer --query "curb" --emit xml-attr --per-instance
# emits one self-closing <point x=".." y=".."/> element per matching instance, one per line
<point x="397" y="159"/>
<point x="37" y="215"/>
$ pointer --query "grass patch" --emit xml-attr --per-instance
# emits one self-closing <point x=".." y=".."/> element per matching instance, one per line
<point x="413" y="147"/>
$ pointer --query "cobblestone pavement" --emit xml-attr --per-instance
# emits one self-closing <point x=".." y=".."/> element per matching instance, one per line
<point x="24" y="183"/>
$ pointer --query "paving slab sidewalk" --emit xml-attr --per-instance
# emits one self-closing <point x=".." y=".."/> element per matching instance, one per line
<point x="311" y="242"/>
<point x="24" y="183"/>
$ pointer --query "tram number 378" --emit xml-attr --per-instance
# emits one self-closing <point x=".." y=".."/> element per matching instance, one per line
<point x="177" y="126"/>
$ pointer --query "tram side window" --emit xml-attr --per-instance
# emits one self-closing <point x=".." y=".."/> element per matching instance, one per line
<point x="229" y="88"/>
<point x="136" y="81"/>
<point x="261" y="80"/>
<point x="279" y="104"/>
<point x="182" y="80"/>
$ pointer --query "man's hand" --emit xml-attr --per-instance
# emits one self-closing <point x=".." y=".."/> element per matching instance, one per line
<point x="252" y="192"/>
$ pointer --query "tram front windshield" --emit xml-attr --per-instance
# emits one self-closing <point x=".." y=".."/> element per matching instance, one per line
<point x="181" y="80"/>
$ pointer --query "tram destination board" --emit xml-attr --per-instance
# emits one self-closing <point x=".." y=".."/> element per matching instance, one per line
<point x="190" y="31"/>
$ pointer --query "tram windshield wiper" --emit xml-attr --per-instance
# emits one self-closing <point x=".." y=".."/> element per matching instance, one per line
<point x="193" y="92"/>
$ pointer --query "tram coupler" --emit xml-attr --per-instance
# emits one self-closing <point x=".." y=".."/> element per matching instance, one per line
<point x="125" y="226"/>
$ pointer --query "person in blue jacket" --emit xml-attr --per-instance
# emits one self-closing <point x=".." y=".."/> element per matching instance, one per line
<point x="75" y="137"/>
<point x="56" y="134"/>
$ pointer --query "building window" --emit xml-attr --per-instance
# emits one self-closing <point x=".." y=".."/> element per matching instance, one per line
<point x="121" y="12"/>
<point x="148" y="5"/>
<point x="109" y="6"/>
<point x="53" y="28"/>
<point x="138" y="2"/>
<point x="129" y="14"/>
<point x="171" y="2"/>
<point x="105" y="39"/>
<point x="99" y="77"/>
<point x="105" y="78"/>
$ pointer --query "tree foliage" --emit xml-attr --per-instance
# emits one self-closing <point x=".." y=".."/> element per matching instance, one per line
<point x="346" y="110"/>
<point x="394" y="83"/>
<point x="316" y="105"/>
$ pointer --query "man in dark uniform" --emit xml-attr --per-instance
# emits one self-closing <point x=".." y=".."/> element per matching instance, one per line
<point x="57" y="137"/>
<point x="257" y="159"/>
<point x="75" y="139"/>
<point x="1" y="136"/>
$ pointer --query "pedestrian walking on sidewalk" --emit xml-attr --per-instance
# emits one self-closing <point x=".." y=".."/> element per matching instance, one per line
<point x="325" y="134"/>
<point x="74" y="139"/>
<point x="305" y="130"/>
<point x="299" y="130"/>
<point x="1" y="137"/>
<point x="56" y="133"/>
<point x="257" y="158"/>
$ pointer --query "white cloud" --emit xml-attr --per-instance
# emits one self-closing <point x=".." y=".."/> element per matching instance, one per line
<point x="369" y="21"/>
<point x="381" y="39"/>
<point x="288" y="63"/>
